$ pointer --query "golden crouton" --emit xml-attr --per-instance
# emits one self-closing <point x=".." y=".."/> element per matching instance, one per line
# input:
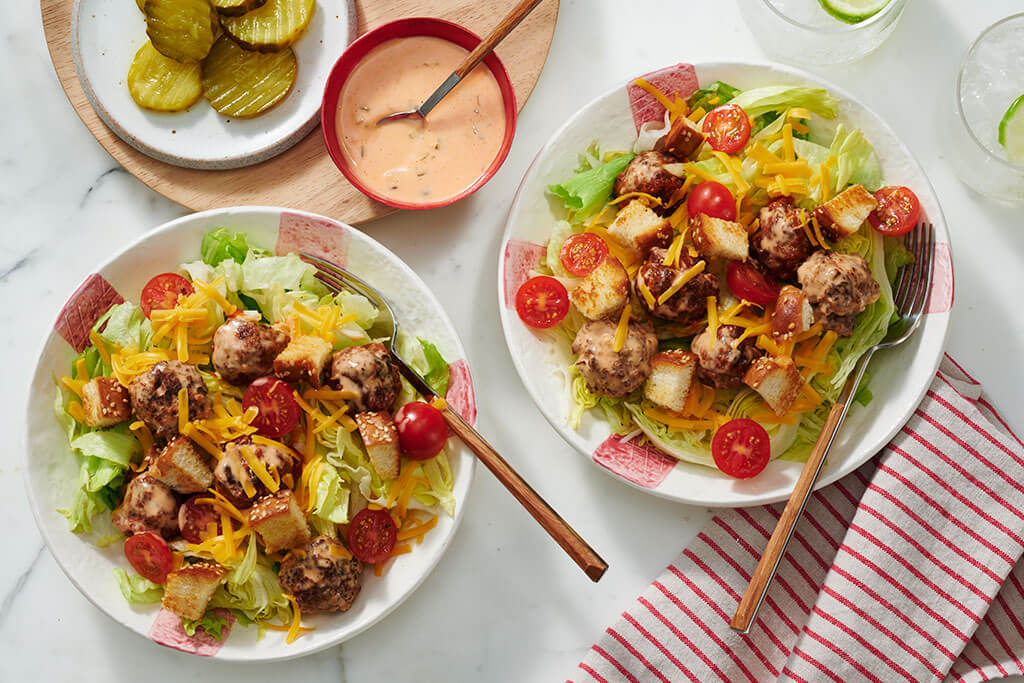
<point x="846" y="212"/>
<point x="381" y="441"/>
<point x="187" y="591"/>
<point x="793" y="314"/>
<point x="182" y="466"/>
<point x="672" y="379"/>
<point x="304" y="358"/>
<point x="683" y="138"/>
<point x="279" y="521"/>
<point x="604" y="292"/>
<point x="717" y="238"/>
<point x="777" y="380"/>
<point x="638" y="228"/>
<point x="105" y="402"/>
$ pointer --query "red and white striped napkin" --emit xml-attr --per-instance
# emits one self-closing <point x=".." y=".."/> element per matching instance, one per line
<point x="907" y="569"/>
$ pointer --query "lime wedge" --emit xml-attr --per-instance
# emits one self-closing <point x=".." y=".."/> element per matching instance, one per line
<point x="853" y="11"/>
<point x="1011" y="131"/>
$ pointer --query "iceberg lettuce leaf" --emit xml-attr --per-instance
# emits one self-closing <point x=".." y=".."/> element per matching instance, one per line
<point x="779" y="98"/>
<point x="137" y="589"/>
<point x="586" y="193"/>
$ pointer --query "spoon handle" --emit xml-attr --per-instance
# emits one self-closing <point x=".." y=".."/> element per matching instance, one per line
<point x="496" y="36"/>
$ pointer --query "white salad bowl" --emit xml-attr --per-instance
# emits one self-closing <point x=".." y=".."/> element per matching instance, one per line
<point x="52" y="470"/>
<point x="899" y="377"/>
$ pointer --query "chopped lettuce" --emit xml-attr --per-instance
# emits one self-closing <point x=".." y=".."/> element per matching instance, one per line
<point x="896" y="256"/>
<point x="253" y="589"/>
<point x="265" y="272"/>
<point x="713" y="95"/>
<point x="350" y="302"/>
<point x="104" y="456"/>
<point x="581" y="398"/>
<point x="440" y="480"/>
<point x="137" y="589"/>
<point x="586" y="193"/>
<point x="220" y="245"/>
<point x="211" y="622"/>
<point x="126" y="326"/>
<point x="779" y="98"/>
<point x="437" y="374"/>
<point x="686" y="445"/>
<point x="331" y="501"/>
<point x="560" y="232"/>
<point x="873" y="323"/>
<point x="857" y="161"/>
<point x="108" y="445"/>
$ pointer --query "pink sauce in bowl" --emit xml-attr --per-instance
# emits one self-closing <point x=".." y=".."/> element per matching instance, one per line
<point x="414" y="164"/>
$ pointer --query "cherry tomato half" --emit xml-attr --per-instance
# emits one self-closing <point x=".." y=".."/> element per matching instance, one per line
<point x="372" y="535"/>
<point x="542" y="302"/>
<point x="422" y="431"/>
<point x="150" y="556"/>
<point x="727" y="128"/>
<point x="582" y="253"/>
<point x="741" y="448"/>
<point x="162" y="292"/>
<point x="747" y="282"/>
<point x="898" y="210"/>
<point x="195" y="518"/>
<point x="712" y="199"/>
<point x="278" y="410"/>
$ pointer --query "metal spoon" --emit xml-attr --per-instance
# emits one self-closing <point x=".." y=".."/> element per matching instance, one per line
<point x="475" y="57"/>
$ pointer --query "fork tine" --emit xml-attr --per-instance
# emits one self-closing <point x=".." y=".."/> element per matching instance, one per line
<point x="328" y="280"/>
<point x="925" y="276"/>
<point x="908" y="272"/>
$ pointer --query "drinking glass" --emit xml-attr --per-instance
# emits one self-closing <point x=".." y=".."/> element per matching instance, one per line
<point x="991" y="78"/>
<point x="802" y="33"/>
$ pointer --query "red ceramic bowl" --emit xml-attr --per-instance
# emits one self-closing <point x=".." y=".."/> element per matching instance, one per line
<point x="404" y="28"/>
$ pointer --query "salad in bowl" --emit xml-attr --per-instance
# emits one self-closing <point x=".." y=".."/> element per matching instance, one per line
<point x="243" y="441"/>
<point x="716" y="279"/>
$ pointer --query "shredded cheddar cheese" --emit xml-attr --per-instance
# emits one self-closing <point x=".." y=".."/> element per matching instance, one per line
<point x="76" y="411"/>
<point x="143" y="434"/>
<point x="681" y="280"/>
<point x="645" y="292"/>
<point x="678" y="422"/>
<point x="713" y="320"/>
<point x="629" y="196"/>
<point x="182" y="409"/>
<point x="296" y="630"/>
<point x="672" y="107"/>
<point x="622" y="330"/>
<point x="259" y="469"/>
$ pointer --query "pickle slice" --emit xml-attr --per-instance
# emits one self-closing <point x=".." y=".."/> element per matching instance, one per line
<point x="274" y="26"/>
<point x="181" y="29"/>
<point x="160" y="83"/>
<point x="235" y="8"/>
<point x="244" y="84"/>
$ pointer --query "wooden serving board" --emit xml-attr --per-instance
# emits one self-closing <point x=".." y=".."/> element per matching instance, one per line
<point x="303" y="177"/>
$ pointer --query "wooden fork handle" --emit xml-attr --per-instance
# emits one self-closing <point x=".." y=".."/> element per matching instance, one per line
<point x="496" y="36"/>
<point x="573" y="544"/>
<point x="746" y="612"/>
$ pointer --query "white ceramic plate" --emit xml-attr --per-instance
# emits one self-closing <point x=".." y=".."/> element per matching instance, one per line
<point x="899" y="377"/>
<point x="106" y="34"/>
<point x="51" y="470"/>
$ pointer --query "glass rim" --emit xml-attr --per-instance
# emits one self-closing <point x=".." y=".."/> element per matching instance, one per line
<point x="959" y="89"/>
<point x="842" y="27"/>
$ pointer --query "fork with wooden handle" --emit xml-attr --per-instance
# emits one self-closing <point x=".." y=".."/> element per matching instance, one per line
<point x="337" y="278"/>
<point x="911" y="296"/>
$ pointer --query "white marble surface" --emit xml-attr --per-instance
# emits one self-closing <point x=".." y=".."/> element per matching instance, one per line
<point x="504" y="604"/>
